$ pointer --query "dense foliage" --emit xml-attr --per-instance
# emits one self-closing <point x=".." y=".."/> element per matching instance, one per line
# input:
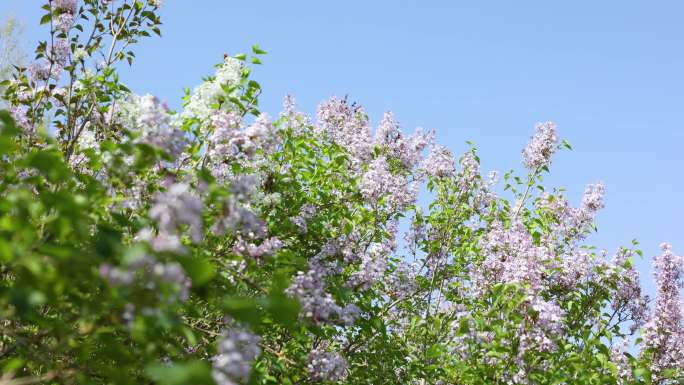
<point x="217" y="245"/>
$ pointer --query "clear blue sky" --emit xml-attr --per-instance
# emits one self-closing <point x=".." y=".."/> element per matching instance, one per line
<point x="610" y="73"/>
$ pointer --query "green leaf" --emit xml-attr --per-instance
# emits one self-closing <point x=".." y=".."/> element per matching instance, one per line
<point x="46" y="18"/>
<point x="196" y="372"/>
<point x="257" y="50"/>
<point x="242" y="309"/>
<point x="200" y="270"/>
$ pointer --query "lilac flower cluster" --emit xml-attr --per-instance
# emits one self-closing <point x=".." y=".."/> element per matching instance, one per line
<point x="229" y="142"/>
<point x="205" y="97"/>
<point x="65" y="12"/>
<point x="542" y="145"/>
<point x="267" y="247"/>
<point x="664" y="332"/>
<point x="372" y="267"/>
<point x="348" y="126"/>
<point x="21" y="119"/>
<point x="408" y="150"/>
<point x="306" y="212"/>
<point x="317" y="304"/>
<point x="152" y="121"/>
<point x="149" y="273"/>
<point x="439" y="163"/>
<point x="628" y="297"/>
<point x="379" y="182"/>
<point x="326" y="366"/>
<point x="572" y="224"/>
<point x="43" y="70"/>
<point x="292" y="118"/>
<point x="174" y="209"/>
<point x="237" y="349"/>
<point x="510" y="257"/>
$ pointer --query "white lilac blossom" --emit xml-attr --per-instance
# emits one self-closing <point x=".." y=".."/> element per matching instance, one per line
<point x="439" y="163"/>
<point x="86" y="141"/>
<point x="327" y="366"/>
<point x="236" y="351"/>
<point x="541" y="147"/>
<point x="663" y="334"/>
<point x="152" y="121"/>
<point x="206" y="97"/>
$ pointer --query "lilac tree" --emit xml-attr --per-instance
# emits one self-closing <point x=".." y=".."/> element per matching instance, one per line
<point x="216" y="244"/>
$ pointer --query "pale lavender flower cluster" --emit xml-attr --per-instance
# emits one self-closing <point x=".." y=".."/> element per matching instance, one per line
<point x="379" y="182"/>
<point x="628" y="297"/>
<point x="60" y="52"/>
<point x="21" y="119"/>
<point x="229" y="142"/>
<point x="44" y="70"/>
<point x="618" y="357"/>
<point x="237" y="216"/>
<point x="174" y="209"/>
<point x="237" y="349"/>
<point x="153" y="122"/>
<point x="541" y="147"/>
<point x="294" y="119"/>
<point x="572" y="224"/>
<point x="347" y="125"/>
<point x="511" y="257"/>
<point x="664" y="332"/>
<point x="268" y="247"/>
<point x="439" y="163"/>
<point x="547" y="325"/>
<point x="149" y="273"/>
<point x="372" y="267"/>
<point x="327" y="366"/>
<point x="469" y="176"/>
<point x="306" y="212"/>
<point x="317" y="304"/>
<point x="65" y="12"/>
<point x="402" y="280"/>
<point x="408" y="150"/>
